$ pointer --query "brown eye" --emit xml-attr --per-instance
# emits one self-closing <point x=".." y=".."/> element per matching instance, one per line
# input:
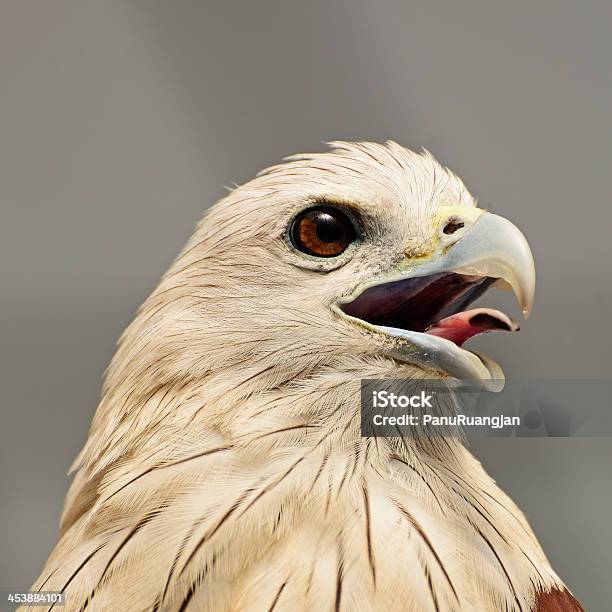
<point x="323" y="231"/>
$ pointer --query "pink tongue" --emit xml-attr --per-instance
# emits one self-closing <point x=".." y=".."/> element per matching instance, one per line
<point x="461" y="326"/>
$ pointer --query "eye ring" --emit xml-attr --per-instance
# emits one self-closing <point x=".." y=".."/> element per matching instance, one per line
<point x="322" y="231"/>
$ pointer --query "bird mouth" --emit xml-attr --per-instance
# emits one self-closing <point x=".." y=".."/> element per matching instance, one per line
<point x="431" y="311"/>
<point x="432" y="305"/>
<point x="421" y="308"/>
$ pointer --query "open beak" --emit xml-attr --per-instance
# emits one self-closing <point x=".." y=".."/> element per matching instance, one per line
<point x="420" y="306"/>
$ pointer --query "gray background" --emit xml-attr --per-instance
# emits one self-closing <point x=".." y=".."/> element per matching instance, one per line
<point x="121" y="121"/>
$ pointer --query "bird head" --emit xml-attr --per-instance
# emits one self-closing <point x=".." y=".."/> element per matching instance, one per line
<point x="364" y="252"/>
<point x="329" y="268"/>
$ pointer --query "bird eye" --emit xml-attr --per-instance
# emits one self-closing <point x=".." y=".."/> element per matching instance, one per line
<point x="323" y="231"/>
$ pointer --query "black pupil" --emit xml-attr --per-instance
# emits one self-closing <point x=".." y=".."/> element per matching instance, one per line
<point x="328" y="228"/>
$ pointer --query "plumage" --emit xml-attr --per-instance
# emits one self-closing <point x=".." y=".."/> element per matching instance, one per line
<point x="225" y="470"/>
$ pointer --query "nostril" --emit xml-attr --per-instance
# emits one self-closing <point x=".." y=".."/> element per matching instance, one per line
<point x="452" y="226"/>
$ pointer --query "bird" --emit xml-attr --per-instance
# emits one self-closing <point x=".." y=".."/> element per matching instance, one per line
<point x="225" y="468"/>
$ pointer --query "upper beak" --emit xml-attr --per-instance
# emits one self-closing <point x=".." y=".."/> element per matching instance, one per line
<point x="489" y="245"/>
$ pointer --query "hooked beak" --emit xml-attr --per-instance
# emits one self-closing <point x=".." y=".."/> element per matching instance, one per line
<point x="419" y="306"/>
